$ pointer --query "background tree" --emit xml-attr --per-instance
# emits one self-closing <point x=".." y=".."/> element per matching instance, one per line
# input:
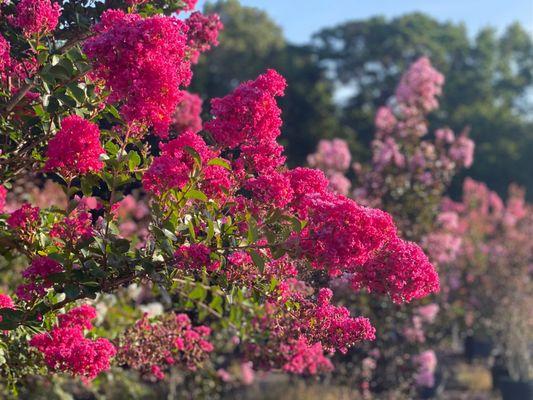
<point x="489" y="81"/>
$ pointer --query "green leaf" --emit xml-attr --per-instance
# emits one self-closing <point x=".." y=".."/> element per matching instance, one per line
<point x="216" y="304"/>
<point x="220" y="162"/>
<point x="258" y="260"/>
<point x="196" y="194"/>
<point x="134" y="160"/>
<point x="71" y="291"/>
<point x="10" y="318"/>
<point x="198" y="293"/>
<point x="252" y="230"/>
<point x="210" y="229"/>
<point x="194" y="154"/>
<point x="76" y="92"/>
<point x="111" y="148"/>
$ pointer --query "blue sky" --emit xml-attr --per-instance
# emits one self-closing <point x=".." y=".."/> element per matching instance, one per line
<point x="301" y="18"/>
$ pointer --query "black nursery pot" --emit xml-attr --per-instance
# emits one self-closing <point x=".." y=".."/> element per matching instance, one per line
<point x="477" y="348"/>
<point x="498" y="373"/>
<point x="516" y="390"/>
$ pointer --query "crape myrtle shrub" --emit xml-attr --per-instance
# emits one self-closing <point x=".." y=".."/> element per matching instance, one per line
<point x="231" y="240"/>
<point x="487" y="267"/>
<point x="408" y="175"/>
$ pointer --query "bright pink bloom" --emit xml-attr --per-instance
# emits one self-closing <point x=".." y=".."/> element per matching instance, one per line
<point x="274" y="189"/>
<point x="341" y="234"/>
<point x="195" y="257"/>
<point x="302" y="357"/>
<point x="37" y="277"/>
<point x="36" y="17"/>
<point x="73" y="228"/>
<point x="75" y="149"/>
<point x="24" y="218"/>
<point x="401" y="270"/>
<point x="250" y="114"/>
<point x="66" y="349"/>
<point x="3" y="193"/>
<point x="306" y="181"/>
<point x="78" y="317"/>
<point x="189" y="4"/>
<point x="5" y="58"/>
<point x="143" y="62"/>
<point x="335" y="327"/>
<point x="6" y="301"/>
<point x="173" y="167"/>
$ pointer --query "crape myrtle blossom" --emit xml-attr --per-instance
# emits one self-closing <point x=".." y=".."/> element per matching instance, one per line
<point x="153" y="347"/>
<point x="187" y="115"/>
<point x="420" y="86"/>
<point x="333" y="157"/>
<point x="427" y="364"/>
<point x="202" y="33"/>
<point x="37" y="278"/>
<point x="75" y="149"/>
<point x="5" y="57"/>
<point x="145" y="61"/>
<point x="36" y="17"/>
<point x="65" y="347"/>
<point x="142" y="62"/>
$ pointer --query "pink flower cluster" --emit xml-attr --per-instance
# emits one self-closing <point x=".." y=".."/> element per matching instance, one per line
<point x="427" y="364"/>
<point x="202" y="33"/>
<point x="173" y="168"/>
<point x="66" y="349"/>
<point x="401" y="270"/>
<point x="36" y="17"/>
<point x="301" y="357"/>
<point x="73" y="228"/>
<point x="334" y="327"/>
<point x="189" y="4"/>
<point x="187" y="114"/>
<point x="143" y="62"/>
<point x="37" y="275"/>
<point x="195" y="257"/>
<point x="3" y="194"/>
<point x="341" y="234"/>
<point x="333" y="157"/>
<point x="5" y="57"/>
<point x="304" y="334"/>
<point x="152" y="347"/>
<point x="75" y="149"/>
<point x="420" y="85"/>
<point x="25" y="218"/>
<point x="250" y="120"/>
<point x="6" y="301"/>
